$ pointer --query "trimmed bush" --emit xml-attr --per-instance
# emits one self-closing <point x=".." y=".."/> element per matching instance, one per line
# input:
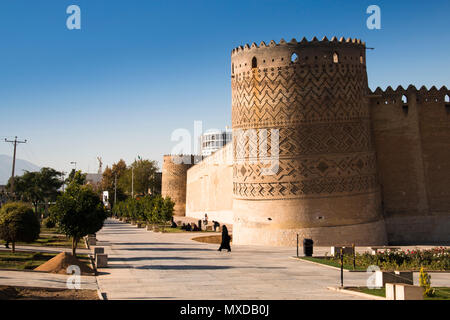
<point x="18" y="223"/>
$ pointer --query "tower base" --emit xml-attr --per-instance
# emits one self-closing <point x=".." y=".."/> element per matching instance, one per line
<point x="366" y="234"/>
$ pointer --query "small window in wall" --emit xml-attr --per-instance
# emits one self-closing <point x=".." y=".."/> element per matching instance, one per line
<point x="335" y="57"/>
<point x="404" y="99"/>
<point x="232" y="68"/>
<point x="294" y="57"/>
<point x="405" y="104"/>
<point x="447" y="103"/>
<point x="254" y="63"/>
<point x="361" y="59"/>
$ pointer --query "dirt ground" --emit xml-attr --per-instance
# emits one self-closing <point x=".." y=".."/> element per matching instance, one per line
<point x="23" y="293"/>
<point x="217" y="239"/>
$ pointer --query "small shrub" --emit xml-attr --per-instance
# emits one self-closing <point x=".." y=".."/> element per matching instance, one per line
<point x="18" y="223"/>
<point x="425" y="282"/>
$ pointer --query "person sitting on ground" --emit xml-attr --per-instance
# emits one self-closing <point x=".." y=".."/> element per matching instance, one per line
<point x="225" y="240"/>
<point x="195" y="228"/>
<point x="188" y="227"/>
<point x="216" y="225"/>
<point x="174" y="225"/>
<point x="183" y="227"/>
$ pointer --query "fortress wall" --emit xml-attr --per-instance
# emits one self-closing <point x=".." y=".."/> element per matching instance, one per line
<point x="209" y="187"/>
<point x="435" y="133"/>
<point x="326" y="182"/>
<point x="412" y="141"/>
<point x="398" y="145"/>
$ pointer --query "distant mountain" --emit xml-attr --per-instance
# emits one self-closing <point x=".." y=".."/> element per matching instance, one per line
<point x="6" y="167"/>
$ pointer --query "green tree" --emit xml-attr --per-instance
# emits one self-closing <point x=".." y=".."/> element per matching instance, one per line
<point x="167" y="209"/>
<point x="38" y="187"/>
<point x="108" y="180"/>
<point x="18" y="223"/>
<point x="78" y="212"/>
<point x="76" y="177"/>
<point x="145" y="177"/>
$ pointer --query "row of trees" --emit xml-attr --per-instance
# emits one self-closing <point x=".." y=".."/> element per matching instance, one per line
<point x="79" y="210"/>
<point x="38" y="188"/>
<point x="142" y="174"/>
<point x="152" y="209"/>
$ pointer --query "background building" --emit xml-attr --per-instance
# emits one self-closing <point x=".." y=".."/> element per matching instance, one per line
<point x="214" y="140"/>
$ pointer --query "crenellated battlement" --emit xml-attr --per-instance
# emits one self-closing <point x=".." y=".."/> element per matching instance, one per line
<point x="304" y="42"/>
<point x="342" y="53"/>
<point x="422" y="95"/>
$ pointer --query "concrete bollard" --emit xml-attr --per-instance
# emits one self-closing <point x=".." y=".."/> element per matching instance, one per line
<point x="383" y="277"/>
<point x="101" y="260"/>
<point x="390" y="291"/>
<point x="408" y="292"/>
<point x="98" y="250"/>
<point x="91" y="241"/>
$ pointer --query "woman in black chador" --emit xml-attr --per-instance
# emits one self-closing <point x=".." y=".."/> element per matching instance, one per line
<point x="225" y="240"/>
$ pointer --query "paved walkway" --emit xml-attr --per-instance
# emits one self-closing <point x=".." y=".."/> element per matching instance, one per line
<point x="42" y="280"/>
<point x="148" y="265"/>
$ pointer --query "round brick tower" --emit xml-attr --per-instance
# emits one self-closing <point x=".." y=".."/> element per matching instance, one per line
<point x="173" y="184"/>
<point x="312" y="94"/>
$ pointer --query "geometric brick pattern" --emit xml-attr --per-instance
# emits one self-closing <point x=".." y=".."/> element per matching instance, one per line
<point x="322" y="114"/>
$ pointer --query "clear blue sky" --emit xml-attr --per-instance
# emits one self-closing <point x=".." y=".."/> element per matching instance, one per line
<point x="139" y="69"/>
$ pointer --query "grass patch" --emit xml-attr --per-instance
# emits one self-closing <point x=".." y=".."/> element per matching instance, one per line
<point x="23" y="260"/>
<point x="49" y="230"/>
<point x="333" y="263"/>
<point x="178" y="229"/>
<point x="380" y="292"/>
<point x="441" y="293"/>
<point x="49" y="240"/>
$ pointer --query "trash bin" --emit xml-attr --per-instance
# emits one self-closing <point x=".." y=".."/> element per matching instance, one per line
<point x="308" y="247"/>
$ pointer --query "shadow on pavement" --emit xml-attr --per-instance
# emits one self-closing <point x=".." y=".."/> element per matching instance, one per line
<point x="155" y="258"/>
<point x="165" y="249"/>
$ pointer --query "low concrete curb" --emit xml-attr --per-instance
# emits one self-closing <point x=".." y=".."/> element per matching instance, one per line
<point x="101" y="295"/>
<point x="355" y="293"/>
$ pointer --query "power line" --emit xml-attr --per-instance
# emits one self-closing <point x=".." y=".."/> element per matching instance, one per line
<point x="15" y="142"/>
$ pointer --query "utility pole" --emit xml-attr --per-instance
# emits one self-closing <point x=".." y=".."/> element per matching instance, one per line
<point x="132" y="182"/>
<point x="115" y="188"/>
<point x="15" y="142"/>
